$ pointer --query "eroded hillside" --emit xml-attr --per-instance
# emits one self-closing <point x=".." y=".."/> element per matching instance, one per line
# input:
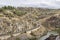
<point x="30" y="22"/>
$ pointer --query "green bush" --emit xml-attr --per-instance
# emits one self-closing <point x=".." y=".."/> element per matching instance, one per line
<point x="1" y="10"/>
<point x="17" y="38"/>
<point x="1" y="15"/>
<point x="32" y="38"/>
<point x="58" y="31"/>
<point x="19" y="13"/>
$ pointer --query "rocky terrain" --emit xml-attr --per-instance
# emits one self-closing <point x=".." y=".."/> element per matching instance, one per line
<point x="27" y="23"/>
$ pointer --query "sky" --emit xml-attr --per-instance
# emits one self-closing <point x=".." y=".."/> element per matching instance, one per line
<point x="31" y="3"/>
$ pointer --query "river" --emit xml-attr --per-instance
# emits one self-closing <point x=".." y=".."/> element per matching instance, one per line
<point x="49" y="33"/>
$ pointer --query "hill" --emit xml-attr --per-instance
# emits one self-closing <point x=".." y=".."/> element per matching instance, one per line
<point x="27" y="21"/>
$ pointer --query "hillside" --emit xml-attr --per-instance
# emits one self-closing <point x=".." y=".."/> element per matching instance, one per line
<point x="28" y="22"/>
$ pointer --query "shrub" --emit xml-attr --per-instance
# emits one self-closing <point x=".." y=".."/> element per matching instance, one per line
<point x="58" y="31"/>
<point x="17" y="38"/>
<point x="19" y="13"/>
<point x="32" y="34"/>
<point x="1" y="15"/>
<point x="1" y="10"/>
<point x="33" y="38"/>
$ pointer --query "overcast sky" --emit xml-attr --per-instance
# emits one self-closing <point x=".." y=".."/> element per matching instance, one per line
<point x="32" y="3"/>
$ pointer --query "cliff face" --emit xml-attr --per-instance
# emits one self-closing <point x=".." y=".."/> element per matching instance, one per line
<point x="27" y="20"/>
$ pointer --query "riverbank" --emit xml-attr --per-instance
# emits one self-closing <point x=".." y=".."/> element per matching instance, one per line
<point x="48" y="34"/>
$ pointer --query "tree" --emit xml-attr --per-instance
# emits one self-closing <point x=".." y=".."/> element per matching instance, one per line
<point x="8" y="7"/>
